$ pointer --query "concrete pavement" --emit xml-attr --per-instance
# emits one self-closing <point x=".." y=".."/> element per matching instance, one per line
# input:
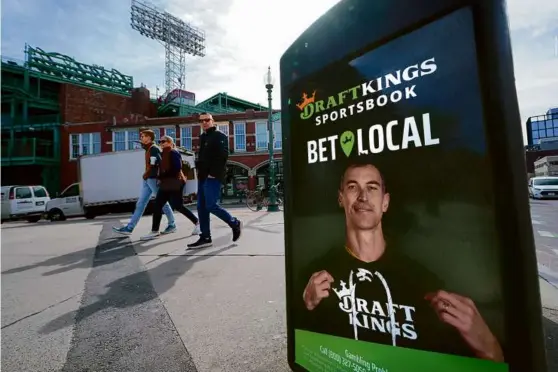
<point x="145" y="305"/>
<point x="156" y="305"/>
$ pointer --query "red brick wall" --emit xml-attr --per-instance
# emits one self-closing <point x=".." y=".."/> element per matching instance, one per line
<point x="250" y="136"/>
<point x="82" y="105"/>
<point x="68" y="168"/>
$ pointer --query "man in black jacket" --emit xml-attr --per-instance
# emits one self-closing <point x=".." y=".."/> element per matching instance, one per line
<point x="211" y="166"/>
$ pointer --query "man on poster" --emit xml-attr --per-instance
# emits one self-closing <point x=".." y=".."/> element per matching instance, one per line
<point x="387" y="299"/>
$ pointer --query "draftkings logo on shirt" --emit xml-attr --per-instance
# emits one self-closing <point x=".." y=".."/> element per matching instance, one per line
<point x="371" y="315"/>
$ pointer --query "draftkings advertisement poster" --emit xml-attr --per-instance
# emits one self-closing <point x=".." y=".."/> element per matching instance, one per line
<point x="394" y="254"/>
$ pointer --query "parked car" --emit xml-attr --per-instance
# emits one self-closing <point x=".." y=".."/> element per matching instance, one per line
<point x="24" y="202"/>
<point x="543" y="187"/>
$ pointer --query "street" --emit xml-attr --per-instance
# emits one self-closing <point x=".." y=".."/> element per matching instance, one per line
<point x="544" y="217"/>
<point x="77" y="297"/>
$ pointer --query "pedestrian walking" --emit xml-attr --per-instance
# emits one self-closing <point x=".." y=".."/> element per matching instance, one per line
<point x="149" y="185"/>
<point x="211" y="166"/>
<point x="171" y="181"/>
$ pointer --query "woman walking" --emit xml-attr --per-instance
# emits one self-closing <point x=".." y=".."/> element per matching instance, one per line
<point x="171" y="186"/>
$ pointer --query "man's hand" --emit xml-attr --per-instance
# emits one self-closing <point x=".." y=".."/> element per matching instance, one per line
<point x="317" y="289"/>
<point x="461" y="313"/>
<point x="210" y="176"/>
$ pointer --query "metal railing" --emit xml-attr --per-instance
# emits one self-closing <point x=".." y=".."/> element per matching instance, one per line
<point x="27" y="148"/>
<point x="31" y="120"/>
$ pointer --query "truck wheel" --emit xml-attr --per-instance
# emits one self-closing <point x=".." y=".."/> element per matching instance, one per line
<point x="90" y="216"/>
<point x="33" y="219"/>
<point x="56" y="215"/>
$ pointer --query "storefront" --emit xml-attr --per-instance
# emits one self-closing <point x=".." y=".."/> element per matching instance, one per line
<point x="236" y="180"/>
<point x="262" y="174"/>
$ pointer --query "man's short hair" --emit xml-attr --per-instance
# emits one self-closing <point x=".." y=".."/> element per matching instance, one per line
<point x="362" y="165"/>
<point x="149" y="133"/>
<point x="206" y="113"/>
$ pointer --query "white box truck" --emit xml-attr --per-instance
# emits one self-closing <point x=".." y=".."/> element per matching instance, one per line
<point x="109" y="183"/>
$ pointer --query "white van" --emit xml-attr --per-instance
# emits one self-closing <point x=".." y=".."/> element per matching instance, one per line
<point x="543" y="187"/>
<point x="24" y="202"/>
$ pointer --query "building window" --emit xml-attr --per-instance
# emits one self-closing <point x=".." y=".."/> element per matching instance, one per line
<point x="262" y="138"/>
<point x="186" y="137"/>
<point x="171" y="132"/>
<point x="240" y="137"/>
<point x="84" y="144"/>
<point x="125" y="140"/>
<point x="157" y="134"/>
<point x="278" y="136"/>
<point x="223" y="128"/>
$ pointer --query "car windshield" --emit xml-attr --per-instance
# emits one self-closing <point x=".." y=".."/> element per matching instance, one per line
<point x="546" y="182"/>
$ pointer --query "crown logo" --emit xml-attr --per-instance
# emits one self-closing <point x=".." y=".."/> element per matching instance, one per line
<point x="344" y="291"/>
<point x="306" y="100"/>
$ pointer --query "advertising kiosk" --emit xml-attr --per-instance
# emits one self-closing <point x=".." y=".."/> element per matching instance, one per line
<point x="408" y="239"/>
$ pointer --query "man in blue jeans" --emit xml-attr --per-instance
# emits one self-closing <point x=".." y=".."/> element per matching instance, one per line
<point x="150" y="187"/>
<point x="211" y="167"/>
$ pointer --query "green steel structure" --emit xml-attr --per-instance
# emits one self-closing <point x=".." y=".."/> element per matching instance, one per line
<point x="61" y="68"/>
<point x="31" y="110"/>
<point x="220" y="103"/>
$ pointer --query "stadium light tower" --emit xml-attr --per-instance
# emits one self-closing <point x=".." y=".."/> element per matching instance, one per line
<point x="178" y="37"/>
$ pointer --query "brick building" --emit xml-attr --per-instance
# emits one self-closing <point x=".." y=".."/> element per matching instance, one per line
<point x="55" y="109"/>
<point x="248" y="163"/>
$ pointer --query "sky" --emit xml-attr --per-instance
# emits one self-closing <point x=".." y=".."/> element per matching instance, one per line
<point x="243" y="38"/>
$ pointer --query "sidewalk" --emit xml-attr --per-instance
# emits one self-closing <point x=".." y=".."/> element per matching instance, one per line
<point x="227" y="302"/>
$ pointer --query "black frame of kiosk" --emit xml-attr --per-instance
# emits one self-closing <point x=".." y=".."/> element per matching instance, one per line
<point x="523" y="326"/>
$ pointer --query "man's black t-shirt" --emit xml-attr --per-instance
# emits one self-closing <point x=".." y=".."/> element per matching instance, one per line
<point x="366" y="291"/>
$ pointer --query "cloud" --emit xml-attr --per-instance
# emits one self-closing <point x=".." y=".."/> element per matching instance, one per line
<point x="243" y="38"/>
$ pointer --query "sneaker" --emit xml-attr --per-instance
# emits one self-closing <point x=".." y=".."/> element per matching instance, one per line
<point x="201" y="243"/>
<point x="152" y="235"/>
<point x="169" y="230"/>
<point x="197" y="230"/>
<point x="124" y="230"/>
<point x="237" y="230"/>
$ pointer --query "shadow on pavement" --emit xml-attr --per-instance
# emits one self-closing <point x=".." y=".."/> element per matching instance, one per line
<point x="130" y="290"/>
<point x="108" y="286"/>
<point x="71" y="221"/>
<point x="75" y="260"/>
<point x="82" y="259"/>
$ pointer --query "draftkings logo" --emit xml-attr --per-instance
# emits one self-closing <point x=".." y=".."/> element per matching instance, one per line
<point x="375" y="316"/>
<point x="306" y="105"/>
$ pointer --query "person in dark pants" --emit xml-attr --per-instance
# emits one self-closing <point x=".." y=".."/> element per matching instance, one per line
<point x="211" y="166"/>
<point x="171" y="187"/>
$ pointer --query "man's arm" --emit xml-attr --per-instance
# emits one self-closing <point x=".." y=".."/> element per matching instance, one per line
<point x="153" y="163"/>
<point x="155" y="156"/>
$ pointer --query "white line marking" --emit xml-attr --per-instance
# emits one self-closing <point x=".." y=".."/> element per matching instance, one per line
<point x="546" y="234"/>
<point x="555" y="251"/>
<point x="535" y="222"/>
<point x="535" y="216"/>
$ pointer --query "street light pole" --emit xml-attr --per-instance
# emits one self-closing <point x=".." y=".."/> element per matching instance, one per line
<point x="272" y="206"/>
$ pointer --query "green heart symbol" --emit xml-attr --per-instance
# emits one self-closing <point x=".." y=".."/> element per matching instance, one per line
<point x="347" y="142"/>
